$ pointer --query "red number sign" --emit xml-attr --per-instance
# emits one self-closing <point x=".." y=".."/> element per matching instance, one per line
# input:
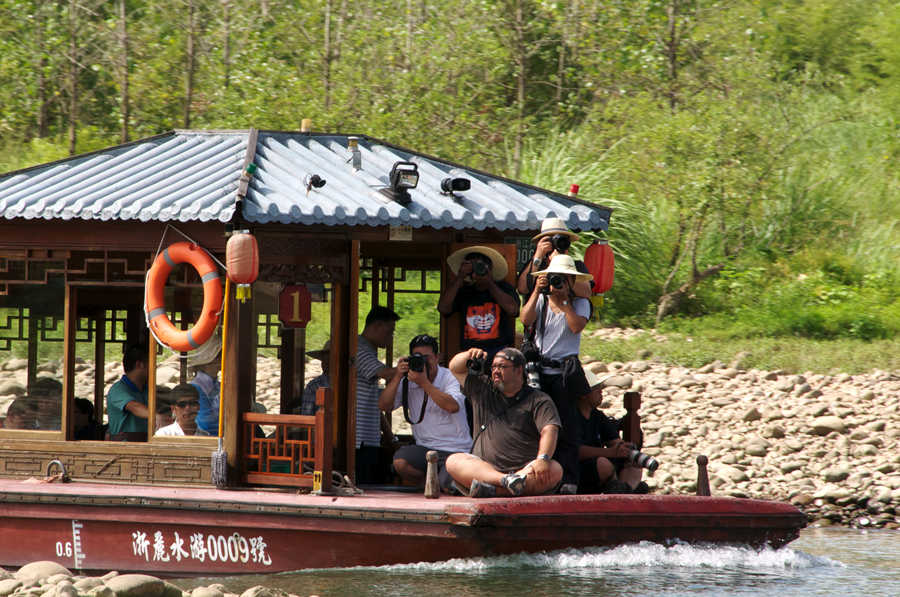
<point x="293" y="306"/>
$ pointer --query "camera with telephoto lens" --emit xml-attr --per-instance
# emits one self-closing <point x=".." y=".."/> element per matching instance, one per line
<point x="532" y="364"/>
<point x="555" y="281"/>
<point x="561" y="242"/>
<point x="416" y="362"/>
<point x="643" y="460"/>
<point x="479" y="268"/>
<point x="477" y="366"/>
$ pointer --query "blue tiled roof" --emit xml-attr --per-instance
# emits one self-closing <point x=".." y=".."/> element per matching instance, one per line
<point x="194" y="176"/>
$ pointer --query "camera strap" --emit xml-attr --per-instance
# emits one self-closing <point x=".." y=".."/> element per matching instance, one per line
<point x="405" y="400"/>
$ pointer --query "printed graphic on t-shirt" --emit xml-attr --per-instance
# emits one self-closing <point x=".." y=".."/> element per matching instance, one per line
<point x="483" y="322"/>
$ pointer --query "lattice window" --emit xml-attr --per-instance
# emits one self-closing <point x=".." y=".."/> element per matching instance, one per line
<point x="280" y="449"/>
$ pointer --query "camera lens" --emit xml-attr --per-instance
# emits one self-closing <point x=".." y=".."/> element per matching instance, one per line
<point x="556" y="281"/>
<point x="416" y="363"/>
<point x="561" y="242"/>
<point x="480" y="268"/>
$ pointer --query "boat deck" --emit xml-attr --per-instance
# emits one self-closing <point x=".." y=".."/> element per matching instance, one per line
<point x="116" y="526"/>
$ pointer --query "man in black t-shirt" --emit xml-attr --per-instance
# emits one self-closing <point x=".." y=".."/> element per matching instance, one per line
<point x="488" y="304"/>
<point x="604" y="461"/>
<point x="515" y="430"/>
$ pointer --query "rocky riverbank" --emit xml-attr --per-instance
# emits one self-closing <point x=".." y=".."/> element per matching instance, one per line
<point x="49" y="579"/>
<point x="829" y="444"/>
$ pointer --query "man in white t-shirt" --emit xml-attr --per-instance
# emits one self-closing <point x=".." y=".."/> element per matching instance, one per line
<point x="186" y="403"/>
<point x="435" y="407"/>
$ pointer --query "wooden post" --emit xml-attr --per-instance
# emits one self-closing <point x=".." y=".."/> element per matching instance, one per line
<point x="238" y="383"/>
<point x="432" y="484"/>
<point x="70" y="319"/>
<point x="702" y="476"/>
<point x="99" y="362"/>
<point x="631" y="423"/>
<point x="324" y="440"/>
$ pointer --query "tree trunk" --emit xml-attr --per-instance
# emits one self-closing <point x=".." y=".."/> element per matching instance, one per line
<point x="226" y="43"/>
<point x="125" y="100"/>
<point x="326" y="58"/>
<point x="190" y="59"/>
<point x="521" y="61"/>
<point x="671" y="51"/>
<point x="671" y="301"/>
<point x="73" y="76"/>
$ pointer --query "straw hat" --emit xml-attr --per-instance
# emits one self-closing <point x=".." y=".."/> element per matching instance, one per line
<point x="207" y="352"/>
<point x="563" y="264"/>
<point x="552" y="226"/>
<point x="592" y="378"/>
<point x="499" y="266"/>
<point x="321" y="354"/>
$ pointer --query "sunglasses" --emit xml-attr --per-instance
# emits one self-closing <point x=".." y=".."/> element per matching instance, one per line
<point x="187" y="403"/>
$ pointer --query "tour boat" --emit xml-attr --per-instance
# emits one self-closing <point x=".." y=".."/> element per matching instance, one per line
<point x="335" y="219"/>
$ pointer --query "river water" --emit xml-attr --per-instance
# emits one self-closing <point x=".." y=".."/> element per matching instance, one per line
<point x="827" y="562"/>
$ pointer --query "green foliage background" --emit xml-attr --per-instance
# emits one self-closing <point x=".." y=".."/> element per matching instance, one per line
<point x="749" y="147"/>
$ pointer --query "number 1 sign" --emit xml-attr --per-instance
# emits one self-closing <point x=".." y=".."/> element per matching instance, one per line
<point x="293" y="306"/>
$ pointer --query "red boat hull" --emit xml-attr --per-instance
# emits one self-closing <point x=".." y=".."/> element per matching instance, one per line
<point x="200" y="531"/>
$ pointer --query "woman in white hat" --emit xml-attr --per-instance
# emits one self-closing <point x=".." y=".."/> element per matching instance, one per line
<point x="554" y="239"/>
<point x="554" y="318"/>
<point x="205" y="365"/>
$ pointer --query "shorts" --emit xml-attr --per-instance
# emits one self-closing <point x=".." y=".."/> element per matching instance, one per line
<point x="415" y="456"/>
<point x="588" y="481"/>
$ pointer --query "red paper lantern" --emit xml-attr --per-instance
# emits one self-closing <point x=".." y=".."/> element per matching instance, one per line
<point x="242" y="262"/>
<point x="601" y="262"/>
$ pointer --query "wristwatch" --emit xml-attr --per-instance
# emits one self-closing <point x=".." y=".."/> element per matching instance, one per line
<point x="543" y="457"/>
<point x="536" y="262"/>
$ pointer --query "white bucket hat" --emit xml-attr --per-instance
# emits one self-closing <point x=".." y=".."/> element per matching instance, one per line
<point x="552" y="226"/>
<point x="207" y="352"/>
<point x="563" y="264"/>
<point x="499" y="267"/>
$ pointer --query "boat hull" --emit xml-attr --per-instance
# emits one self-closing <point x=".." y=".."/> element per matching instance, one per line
<point x="200" y="531"/>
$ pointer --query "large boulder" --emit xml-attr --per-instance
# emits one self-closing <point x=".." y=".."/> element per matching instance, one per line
<point x="9" y="585"/>
<point x="827" y="424"/>
<point x="37" y="571"/>
<point x="136" y="585"/>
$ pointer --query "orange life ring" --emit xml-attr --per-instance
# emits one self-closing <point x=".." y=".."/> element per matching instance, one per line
<point x="154" y="298"/>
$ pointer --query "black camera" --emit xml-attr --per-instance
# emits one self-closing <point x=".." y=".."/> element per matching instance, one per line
<point x="479" y="268"/>
<point x="532" y="363"/>
<point x="555" y="281"/>
<point x="416" y="362"/>
<point x="643" y="460"/>
<point x="561" y="242"/>
<point x="477" y="366"/>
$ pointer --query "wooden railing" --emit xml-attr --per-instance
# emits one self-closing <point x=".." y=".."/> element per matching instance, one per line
<point x="296" y="453"/>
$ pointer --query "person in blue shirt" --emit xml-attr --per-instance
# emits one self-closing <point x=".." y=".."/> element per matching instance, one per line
<point x="205" y="364"/>
<point x="126" y="402"/>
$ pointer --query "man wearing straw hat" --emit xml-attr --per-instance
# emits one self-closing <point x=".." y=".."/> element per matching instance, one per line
<point x="555" y="318"/>
<point x="487" y="302"/>
<point x="554" y="239"/>
<point x="205" y="365"/>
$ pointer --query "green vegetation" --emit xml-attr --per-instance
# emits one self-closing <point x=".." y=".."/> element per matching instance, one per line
<point x="749" y="147"/>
